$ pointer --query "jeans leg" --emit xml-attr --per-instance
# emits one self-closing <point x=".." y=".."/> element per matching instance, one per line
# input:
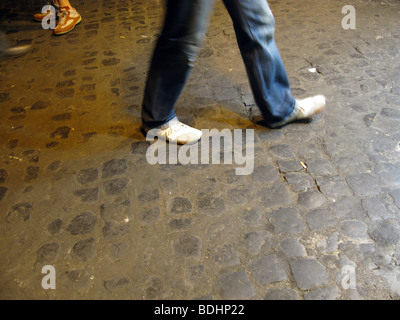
<point x="173" y="58"/>
<point x="254" y="26"/>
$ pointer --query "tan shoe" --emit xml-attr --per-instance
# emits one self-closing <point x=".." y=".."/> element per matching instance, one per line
<point x="40" y="16"/>
<point x="69" y="18"/>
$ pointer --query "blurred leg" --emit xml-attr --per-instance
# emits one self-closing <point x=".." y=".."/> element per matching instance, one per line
<point x="254" y="25"/>
<point x="173" y="58"/>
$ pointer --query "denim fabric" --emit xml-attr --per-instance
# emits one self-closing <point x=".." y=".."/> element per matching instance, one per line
<point x="176" y="50"/>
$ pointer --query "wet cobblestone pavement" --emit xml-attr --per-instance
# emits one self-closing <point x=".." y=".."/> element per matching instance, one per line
<point x="77" y="193"/>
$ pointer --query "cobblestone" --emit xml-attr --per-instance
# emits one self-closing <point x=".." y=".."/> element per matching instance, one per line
<point x="287" y="221"/>
<point x="268" y="269"/>
<point x="309" y="273"/>
<point x="77" y="191"/>
<point x="234" y="285"/>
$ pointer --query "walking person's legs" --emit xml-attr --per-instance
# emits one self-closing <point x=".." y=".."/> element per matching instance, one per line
<point x="176" y="51"/>
<point x="254" y="26"/>
<point x="9" y="51"/>
<point x="173" y="58"/>
<point x="69" y="17"/>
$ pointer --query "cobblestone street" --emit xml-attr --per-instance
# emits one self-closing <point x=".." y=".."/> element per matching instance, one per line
<point x="319" y="213"/>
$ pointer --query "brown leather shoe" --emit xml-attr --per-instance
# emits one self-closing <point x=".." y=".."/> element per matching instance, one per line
<point x="40" y="16"/>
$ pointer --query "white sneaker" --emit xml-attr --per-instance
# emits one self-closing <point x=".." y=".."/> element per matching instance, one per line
<point x="176" y="132"/>
<point x="311" y="106"/>
<point x="305" y="109"/>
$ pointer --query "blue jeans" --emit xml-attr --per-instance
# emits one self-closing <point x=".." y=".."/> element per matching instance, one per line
<point x="176" y="50"/>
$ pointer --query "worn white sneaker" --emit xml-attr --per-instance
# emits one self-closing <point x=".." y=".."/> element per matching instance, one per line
<point x="311" y="106"/>
<point x="176" y="132"/>
<point x="305" y="109"/>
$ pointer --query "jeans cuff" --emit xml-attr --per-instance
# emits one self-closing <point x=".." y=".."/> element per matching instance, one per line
<point x="171" y="122"/>
<point x="167" y="124"/>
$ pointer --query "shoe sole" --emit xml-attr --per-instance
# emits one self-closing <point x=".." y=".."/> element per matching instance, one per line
<point x="151" y="136"/>
<point x="61" y="33"/>
<point x="40" y="20"/>
<point x="57" y="11"/>
<point x="177" y="142"/>
<point x="302" y="120"/>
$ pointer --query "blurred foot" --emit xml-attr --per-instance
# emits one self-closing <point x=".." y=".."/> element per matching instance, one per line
<point x="304" y="109"/>
<point x="40" y="16"/>
<point x="16" y="51"/>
